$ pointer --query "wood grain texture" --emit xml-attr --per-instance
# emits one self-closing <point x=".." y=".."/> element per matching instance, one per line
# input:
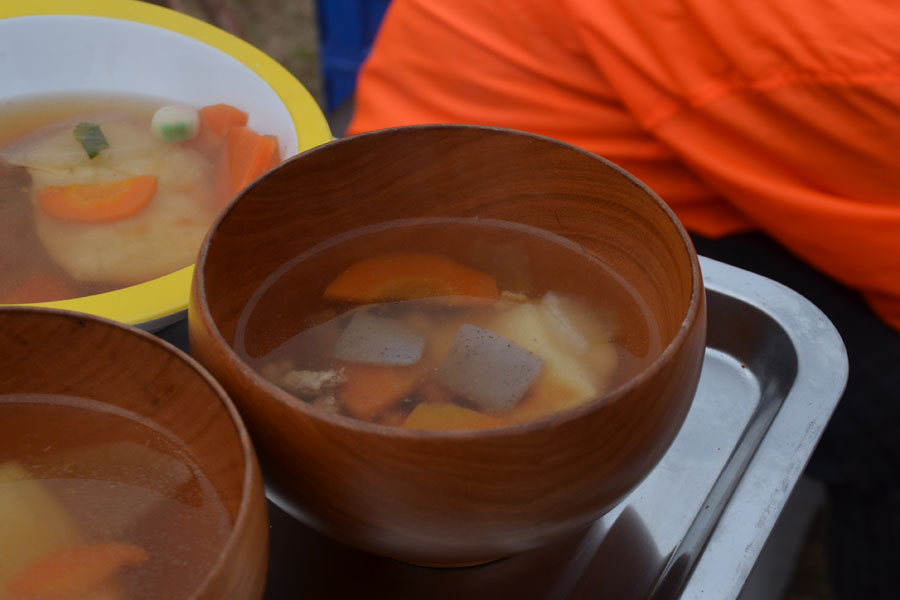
<point x="58" y="352"/>
<point x="452" y="498"/>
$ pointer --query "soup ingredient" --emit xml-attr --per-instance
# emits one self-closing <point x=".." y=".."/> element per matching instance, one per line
<point x="32" y="522"/>
<point x="371" y="390"/>
<point x="175" y="123"/>
<point x="160" y="238"/>
<point x="98" y="202"/>
<point x="379" y="340"/>
<point x="74" y="571"/>
<point x="450" y="416"/>
<point x="489" y="370"/>
<point x="528" y="325"/>
<point x="404" y="276"/>
<point x="246" y="156"/>
<point x="39" y="287"/>
<point x="312" y="383"/>
<point x="91" y="138"/>
<point x="15" y="213"/>
<point x="215" y="122"/>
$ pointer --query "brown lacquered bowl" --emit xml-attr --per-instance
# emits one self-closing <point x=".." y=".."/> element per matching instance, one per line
<point x="452" y="498"/>
<point x="50" y="351"/>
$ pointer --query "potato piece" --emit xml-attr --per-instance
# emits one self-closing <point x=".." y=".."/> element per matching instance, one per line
<point x="449" y="416"/>
<point x="160" y="239"/>
<point x="564" y="368"/>
<point x="574" y="322"/>
<point x="32" y="522"/>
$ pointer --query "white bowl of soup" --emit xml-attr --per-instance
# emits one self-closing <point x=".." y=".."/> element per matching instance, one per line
<point x="124" y="129"/>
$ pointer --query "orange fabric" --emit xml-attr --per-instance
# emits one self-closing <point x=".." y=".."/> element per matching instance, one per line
<point x="782" y="116"/>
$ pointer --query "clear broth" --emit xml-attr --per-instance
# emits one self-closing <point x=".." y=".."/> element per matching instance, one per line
<point x="289" y="326"/>
<point x="118" y="478"/>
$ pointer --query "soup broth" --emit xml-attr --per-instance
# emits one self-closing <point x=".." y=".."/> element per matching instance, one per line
<point x="447" y="324"/>
<point x="96" y="502"/>
<point x="94" y="197"/>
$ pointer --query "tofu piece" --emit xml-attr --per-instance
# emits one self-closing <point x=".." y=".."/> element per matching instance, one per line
<point x="491" y="371"/>
<point x="375" y="340"/>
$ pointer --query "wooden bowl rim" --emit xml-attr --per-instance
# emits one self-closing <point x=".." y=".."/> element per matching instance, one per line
<point x="554" y="419"/>
<point x="247" y="453"/>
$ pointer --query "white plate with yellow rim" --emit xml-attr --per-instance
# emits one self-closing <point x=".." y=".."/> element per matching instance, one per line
<point x="128" y="47"/>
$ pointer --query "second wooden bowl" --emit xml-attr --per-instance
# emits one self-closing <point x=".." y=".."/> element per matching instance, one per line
<point x="128" y="441"/>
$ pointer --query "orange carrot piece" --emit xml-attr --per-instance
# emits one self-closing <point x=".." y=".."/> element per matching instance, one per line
<point x="218" y="119"/>
<point x="75" y="570"/>
<point x="246" y="156"/>
<point x="39" y="288"/>
<point x="98" y="202"/>
<point x="250" y="155"/>
<point x="405" y="276"/>
<point x="215" y="122"/>
<point x="371" y="390"/>
<point x="434" y="393"/>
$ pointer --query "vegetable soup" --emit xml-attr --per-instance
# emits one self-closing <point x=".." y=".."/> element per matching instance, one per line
<point x="101" y="192"/>
<point x="447" y="324"/>
<point x="97" y="502"/>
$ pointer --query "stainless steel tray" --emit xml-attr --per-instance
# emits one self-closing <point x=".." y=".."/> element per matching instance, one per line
<point x="774" y="370"/>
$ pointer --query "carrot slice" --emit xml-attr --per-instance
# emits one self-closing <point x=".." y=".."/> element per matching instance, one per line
<point x="250" y="155"/>
<point x="215" y="121"/>
<point x="39" y="288"/>
<point x="218" y="119"/>
<point x="75" y="570"/>
<point x="246" y="156"/>
<point x="98" y="202"/>
<point x="371" y="390"/>
<point x="405" y="276"/>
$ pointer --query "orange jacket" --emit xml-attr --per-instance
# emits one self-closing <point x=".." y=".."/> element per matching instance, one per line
<point x="776" y="115"/>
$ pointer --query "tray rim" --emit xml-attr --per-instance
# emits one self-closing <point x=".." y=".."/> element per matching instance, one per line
<point x="750" y="514"/>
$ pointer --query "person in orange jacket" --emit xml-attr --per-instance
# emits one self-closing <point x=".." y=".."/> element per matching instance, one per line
<point x="766" y="126"/>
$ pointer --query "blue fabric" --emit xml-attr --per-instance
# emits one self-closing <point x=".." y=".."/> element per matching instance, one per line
<point x="347" y="29"/>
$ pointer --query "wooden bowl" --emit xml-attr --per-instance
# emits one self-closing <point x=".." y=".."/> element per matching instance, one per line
<point x="49" y="351"/>
<point x="453" y="498"/>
